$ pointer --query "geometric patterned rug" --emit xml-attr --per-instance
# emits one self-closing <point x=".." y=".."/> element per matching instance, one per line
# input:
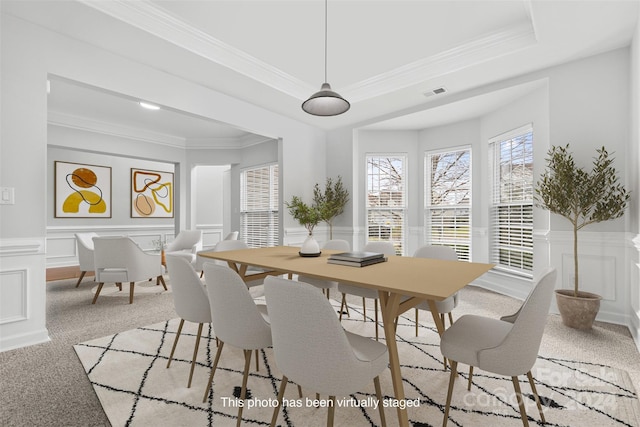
<point x="129" y="375"/>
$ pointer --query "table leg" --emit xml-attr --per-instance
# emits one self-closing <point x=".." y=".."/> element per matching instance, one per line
<point x="389" y="305"/>
<point x="436" y="316"/>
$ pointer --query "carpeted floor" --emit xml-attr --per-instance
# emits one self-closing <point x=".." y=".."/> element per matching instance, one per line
<point x="129" y="374"/>
<point x="45" y="385"/>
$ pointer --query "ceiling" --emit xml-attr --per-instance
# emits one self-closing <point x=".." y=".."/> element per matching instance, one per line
<point x="383" y="56"/>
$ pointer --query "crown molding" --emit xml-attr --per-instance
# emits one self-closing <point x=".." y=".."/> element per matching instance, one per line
<point x="148" y="17"/>
<point x="493" y="45"/>
<point x="91" y="125"/>
<point x="245" y="141"/>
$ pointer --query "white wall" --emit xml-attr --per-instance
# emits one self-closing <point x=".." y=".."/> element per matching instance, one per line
<point x="210" y="206"/>
<point x="633" y="162"/>
<point x="30" y="54"/>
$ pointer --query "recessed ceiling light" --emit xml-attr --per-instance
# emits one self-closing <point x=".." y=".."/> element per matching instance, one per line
<point x="149" y="106"/>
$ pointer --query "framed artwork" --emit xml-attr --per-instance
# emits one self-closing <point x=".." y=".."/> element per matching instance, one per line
<point x="151" y="194"/>
<point x="81" y="191"/>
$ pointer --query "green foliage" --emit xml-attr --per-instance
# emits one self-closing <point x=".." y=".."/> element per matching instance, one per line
<point x="582" y="197"/>
<point x="307" y="216"/>
<point x="330" y="202"/>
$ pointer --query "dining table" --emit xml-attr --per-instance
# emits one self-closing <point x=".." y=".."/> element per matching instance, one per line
<point x="401" y="282"/>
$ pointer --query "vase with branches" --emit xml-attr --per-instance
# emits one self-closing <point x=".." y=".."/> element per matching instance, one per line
<point x="307" y="216"/>
<point x="583" y="197"/>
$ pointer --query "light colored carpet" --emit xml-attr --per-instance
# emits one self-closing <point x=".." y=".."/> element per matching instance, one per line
<point x="129" y="375"/>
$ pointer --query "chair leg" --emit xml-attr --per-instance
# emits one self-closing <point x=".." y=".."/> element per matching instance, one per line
<point x="195" y="354"/>
<point x="416" y="322"/>
<point x="201" y="274"/>
<point x="342" y="304"/>
<point x="175" y="342"/>
<point x="535" y="394"/>
<point x="332" y="411"/>
<point x="257" y="364"/>
<point x="450" y="319"/>
<point x="523" y="412"/>
<point x="452" y="379"/>
<point x="95" y="297"/>
<point x="364" y="309"/>
<point x="470" y="377"/>
<point x="213" y="371"/>
<point x="276" y="410"/>
<point x="299" y="391"/>
<point x="82" y="273"/>
<point x="132" y="286"/>
<point x="161" y="280"/>
<point x="376" y="383"/>
<point x="375" y="307"/>
<point x="328" y="293"/>
<point x="119" y="285"/>
<point x="243" y="392"/>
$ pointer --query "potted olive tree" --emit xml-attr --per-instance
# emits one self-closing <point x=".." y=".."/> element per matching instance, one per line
<point x="308" y="216"/>
<point x="331" y="201"/>
<point x="583" y="198"/>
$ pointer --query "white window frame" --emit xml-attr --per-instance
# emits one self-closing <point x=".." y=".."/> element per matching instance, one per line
<point x="459" y="214"/>
<point x="270" y="213"/>
<point x="510" y="242"/>
<point x="399" y="243"/>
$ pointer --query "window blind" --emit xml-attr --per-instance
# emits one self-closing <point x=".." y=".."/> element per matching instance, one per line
<point x="448" y="200"/>
<point x="259" y="206"/>
<point x="511" y="212"/>
<point x="386" y="199"/>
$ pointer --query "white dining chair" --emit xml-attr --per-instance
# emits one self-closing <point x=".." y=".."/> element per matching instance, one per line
<point x="385" y="248"/>
<point x="313" y="350"/>
<point x="447" y="305"/>
<point x="190" y="301"/>
<point x="119" y="259"/>
<point x="84" y="245"/>
<point x="499" y="346"/>
<point x="232" y="236"/>
<point x="327" y="285"/>
<point x="255" y="287"/>
<point x="229" y="297"/>
<point x="186" y="244"/>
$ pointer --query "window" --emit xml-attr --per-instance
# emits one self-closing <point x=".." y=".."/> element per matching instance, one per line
<point x="259" y="206"/>
<point x="512" y="201"/>
<point x="386" y="199"/>
<point x="448" y="200"/>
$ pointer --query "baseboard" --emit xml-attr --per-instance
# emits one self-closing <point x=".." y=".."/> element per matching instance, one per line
<point x="634" y="328"/>
<point x="61" y="273"/>
<point x="24" y="340"/>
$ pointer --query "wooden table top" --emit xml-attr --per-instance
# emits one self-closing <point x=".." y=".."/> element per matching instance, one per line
<point x="424" y="278"/>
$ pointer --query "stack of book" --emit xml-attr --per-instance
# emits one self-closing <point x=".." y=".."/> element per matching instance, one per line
<point x="356" y="259"/>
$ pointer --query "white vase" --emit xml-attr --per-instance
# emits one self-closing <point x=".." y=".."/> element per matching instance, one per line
<point x="310" y="246"/>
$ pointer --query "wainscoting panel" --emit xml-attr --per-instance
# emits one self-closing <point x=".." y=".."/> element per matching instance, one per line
<point x="22" y="293"/>
<point x="13" y="296"/>
<point x="597" y="274"/>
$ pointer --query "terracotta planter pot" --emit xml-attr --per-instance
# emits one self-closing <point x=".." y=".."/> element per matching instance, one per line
<point x="577" y="312"/>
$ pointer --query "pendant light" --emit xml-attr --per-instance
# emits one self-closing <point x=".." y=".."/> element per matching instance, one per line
<point x="325" y="102"/>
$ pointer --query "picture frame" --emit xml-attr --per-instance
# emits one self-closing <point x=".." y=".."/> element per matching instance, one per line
<point x="151" y="194"/>
<point x="81" y="190"/>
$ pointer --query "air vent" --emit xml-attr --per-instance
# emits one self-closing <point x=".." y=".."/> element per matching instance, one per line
<point x="436" y="91"/>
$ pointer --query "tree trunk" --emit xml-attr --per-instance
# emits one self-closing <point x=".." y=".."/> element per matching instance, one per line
<point x="575" y="260"/>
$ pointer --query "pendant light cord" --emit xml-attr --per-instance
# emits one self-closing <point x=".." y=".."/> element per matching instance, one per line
<point x="325" y="41"/>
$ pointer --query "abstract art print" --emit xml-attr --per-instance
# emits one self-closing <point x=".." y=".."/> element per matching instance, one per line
<point x="82" y="191"/>
<point x="151" y="194"/>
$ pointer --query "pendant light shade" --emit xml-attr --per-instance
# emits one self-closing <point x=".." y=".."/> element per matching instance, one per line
<point x="325" y="102"/>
